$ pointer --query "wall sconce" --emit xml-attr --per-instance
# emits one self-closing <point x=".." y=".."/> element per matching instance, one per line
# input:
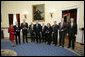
<point x="25" y="16"/>
<point x="51" y="14"/>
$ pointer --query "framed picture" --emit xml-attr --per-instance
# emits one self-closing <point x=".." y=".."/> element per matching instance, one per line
<point x="38" y="12"/>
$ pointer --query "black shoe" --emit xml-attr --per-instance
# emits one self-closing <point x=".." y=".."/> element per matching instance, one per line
<point x="39" y="42"/>
<point x="59" y="45"/>
<point x="36" y="41"/>
<point x="45" y="42"/>
<point x="13" y="46"/>
<point x="72" y="48"/>
<point x="63" y="46"/>
<point x="23" y="42"/>
<point x="68" y="47"/>
<point x="55" y="44"/>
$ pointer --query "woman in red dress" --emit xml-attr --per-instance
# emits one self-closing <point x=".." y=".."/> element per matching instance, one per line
<point x="11" y="35"/>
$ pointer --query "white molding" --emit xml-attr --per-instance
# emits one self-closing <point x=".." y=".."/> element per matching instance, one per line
<point x="70" y="7"/>
<point x="6" y="34"/>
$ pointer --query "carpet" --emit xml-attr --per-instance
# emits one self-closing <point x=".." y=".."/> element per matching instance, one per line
<point x="34" y="49"/>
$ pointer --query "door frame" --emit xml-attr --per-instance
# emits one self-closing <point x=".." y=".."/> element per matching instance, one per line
<point x="78" y="17"/>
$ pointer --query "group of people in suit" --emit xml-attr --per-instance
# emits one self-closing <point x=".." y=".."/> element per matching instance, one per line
<point x="47" y="33"/>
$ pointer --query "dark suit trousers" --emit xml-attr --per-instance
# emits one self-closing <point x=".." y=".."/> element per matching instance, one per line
<point x="32" y="37"/>
<point x="71" y="38"/>
<point x="24" y="37"/>
<point x="55" y="38"/>
<point x="18" y="39"/>
<point x="46" y="35"/>
<point x="38" y="37"/>
<point x="43" y="37"/>
<point x="48" y="38"/>
<point x="61" y="38"/>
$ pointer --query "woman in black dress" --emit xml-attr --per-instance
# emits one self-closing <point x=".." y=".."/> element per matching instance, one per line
<point x="48" y="33"/>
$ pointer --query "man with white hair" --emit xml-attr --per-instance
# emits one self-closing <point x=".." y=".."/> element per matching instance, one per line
<point x="24" y="27"/>
<point x="72" y="31"/>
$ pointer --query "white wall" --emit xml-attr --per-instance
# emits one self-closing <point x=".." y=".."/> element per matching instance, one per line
<point x="14" y="7"/>
<point x="5" y="32"/>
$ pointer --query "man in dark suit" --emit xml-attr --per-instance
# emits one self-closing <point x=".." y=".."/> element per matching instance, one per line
<point x="24" y="27"/>
<point x="72" y="31"/>
<point x="62" y="31"/>
<point x="43" y="32"/>
<point x="17" y="33"/>
<point x="37" y="30"/>
<point x="55" y="33"/>
<point x="31" y="26"/>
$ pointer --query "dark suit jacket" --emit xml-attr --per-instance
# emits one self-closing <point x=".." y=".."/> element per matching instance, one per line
<point x="72" y="30"/>
<point x="64" y="27"/>
<point x="30" y="29"/>
<point x="48" y="30"/>
<point x="22" y="26"/>
<point x="43" y="31"/>
<point x="37" y="30"/>
<point x="55" y="28"/>
<point x="17" y="29"/>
